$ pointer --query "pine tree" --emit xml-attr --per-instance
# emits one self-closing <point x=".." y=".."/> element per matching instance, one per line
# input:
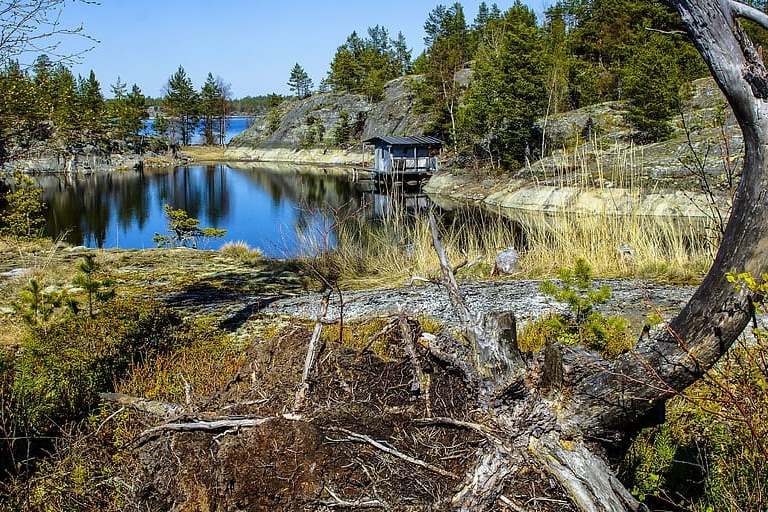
<point x="343" y="130"/>
<point x="91" y="103"/>
<point x="363" y="66"/>
<point x="653" y="80"/>
<point x="402" y="54"/>
<point x="508" y="89"/>
<point x="66" y="113"/>
<point x="299" y="82"/>
<point x="183" y="105"/>
<point x="346" y="74"/>
<point x="20" y="115"/>
<point x="481" y="20"/>
<point x="127" y="110"/>
<point x="97" y="290"/>
<point x="210" y="103"/>
<point x="41" y="71"/>
<point x="119" y="89"/>
<point x="448" y="50"/>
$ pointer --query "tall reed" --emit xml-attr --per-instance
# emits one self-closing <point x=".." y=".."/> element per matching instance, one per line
<point x="399" y="246"/>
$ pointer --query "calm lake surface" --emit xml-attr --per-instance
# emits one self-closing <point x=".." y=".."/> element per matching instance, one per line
<point x="281" y="210"/>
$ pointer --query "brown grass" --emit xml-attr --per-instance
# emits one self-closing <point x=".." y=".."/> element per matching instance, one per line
<point x="205" y="153"/>
<point x="615" y="246"/>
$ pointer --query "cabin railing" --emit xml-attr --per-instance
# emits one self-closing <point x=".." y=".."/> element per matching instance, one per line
<point x="410" y="164"/>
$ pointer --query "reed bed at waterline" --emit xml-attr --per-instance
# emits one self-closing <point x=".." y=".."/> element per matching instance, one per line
<point x="399" y="247"/>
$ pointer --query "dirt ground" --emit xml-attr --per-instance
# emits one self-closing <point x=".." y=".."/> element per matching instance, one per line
<point x="320" y="460"/>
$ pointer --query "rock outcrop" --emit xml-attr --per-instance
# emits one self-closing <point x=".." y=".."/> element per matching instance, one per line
<point x="320" y="114"/>
<point x="598" y="139"/>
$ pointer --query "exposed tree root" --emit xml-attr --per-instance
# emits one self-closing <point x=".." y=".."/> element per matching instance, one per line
<point x="362" y="438"/>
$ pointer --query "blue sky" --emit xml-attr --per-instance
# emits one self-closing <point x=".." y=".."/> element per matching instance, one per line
<point x="252" y="44"/>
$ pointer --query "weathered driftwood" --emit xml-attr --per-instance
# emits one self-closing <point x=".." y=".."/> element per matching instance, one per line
<point x="497" y="358"/>
<point x="567" y="407"/>
<point x="313" y="352"/>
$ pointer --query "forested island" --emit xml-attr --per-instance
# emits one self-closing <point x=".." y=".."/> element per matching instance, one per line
<point x="217" y="302"/>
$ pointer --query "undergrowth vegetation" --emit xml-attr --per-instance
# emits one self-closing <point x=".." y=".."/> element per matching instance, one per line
<point x="60" y="368"/>
<point x="711" y="454"/>
<point x="581" y="324"/>
<point x="399" y="246"/>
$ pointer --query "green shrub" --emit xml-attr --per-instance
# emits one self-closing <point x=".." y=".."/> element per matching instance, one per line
<point x="49" y="396"/>
<point x="60" y="368"/>
<point x="342" y="132"/>
<point x="273" y="120"/>
<point x="581" y="325"/>
<point x="185" y="231"/>
<point x="23" y="216"/>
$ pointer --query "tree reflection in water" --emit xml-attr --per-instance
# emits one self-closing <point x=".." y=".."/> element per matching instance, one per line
<point x="267" y="207"/>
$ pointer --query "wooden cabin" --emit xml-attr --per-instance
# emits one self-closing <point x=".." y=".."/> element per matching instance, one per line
<point x="398" y="156"/>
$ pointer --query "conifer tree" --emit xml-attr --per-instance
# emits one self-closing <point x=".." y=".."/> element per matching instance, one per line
<point x="183" y="105"/>
<point x="448" y="44"/>
<point x="210" y="103"/>
<point x="96" y="289"/>
<point x="402" y="54"/>
<point x="127" y="110"/>
<point x="91" y="104"/>
<point x="363" y="66"/>
<point x="119" y="89"/>
<point x="299" y="82"/>
<point x="508" y="89"/>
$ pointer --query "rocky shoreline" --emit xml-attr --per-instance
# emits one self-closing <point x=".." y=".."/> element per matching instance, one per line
<point x="315" y="156"/>
<point x="518" y="196"/>
<point x="53" y="163"/>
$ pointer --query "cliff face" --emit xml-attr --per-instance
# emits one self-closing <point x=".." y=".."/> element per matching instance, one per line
<point x="598" y="139"/>
<point x="320" y="113"/>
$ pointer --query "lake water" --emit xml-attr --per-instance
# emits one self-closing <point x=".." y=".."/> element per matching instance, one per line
<point x="281" y="210"/>
<point x="235" y="126"/>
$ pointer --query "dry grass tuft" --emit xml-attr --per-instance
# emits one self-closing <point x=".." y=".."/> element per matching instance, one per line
<point x="241" y="251"/>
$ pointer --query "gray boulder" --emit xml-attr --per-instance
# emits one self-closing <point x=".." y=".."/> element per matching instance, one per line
<point x="508" y="261"/>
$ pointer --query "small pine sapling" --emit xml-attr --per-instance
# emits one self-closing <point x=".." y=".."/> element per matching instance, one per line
<point x="97" y="290"/>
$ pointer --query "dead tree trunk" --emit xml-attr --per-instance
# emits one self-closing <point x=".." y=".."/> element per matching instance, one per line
<point x="567" y="409"/>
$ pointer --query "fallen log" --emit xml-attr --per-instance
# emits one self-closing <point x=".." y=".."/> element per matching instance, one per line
<point x="153" y="407"/>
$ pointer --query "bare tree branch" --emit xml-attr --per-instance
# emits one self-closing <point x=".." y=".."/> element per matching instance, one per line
<point x="748" y="12"/>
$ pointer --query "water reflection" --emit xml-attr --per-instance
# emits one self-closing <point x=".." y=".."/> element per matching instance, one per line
<point x="271" y="208"/>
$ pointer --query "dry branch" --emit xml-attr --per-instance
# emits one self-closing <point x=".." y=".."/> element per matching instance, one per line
<point x="313" y="351"/>
<point x="354" y="437"/>
<point x="154" y="407"/>
<point x="216" y="423"/>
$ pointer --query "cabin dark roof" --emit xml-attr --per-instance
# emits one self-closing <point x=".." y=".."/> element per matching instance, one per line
<point x="405" y="141"/>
